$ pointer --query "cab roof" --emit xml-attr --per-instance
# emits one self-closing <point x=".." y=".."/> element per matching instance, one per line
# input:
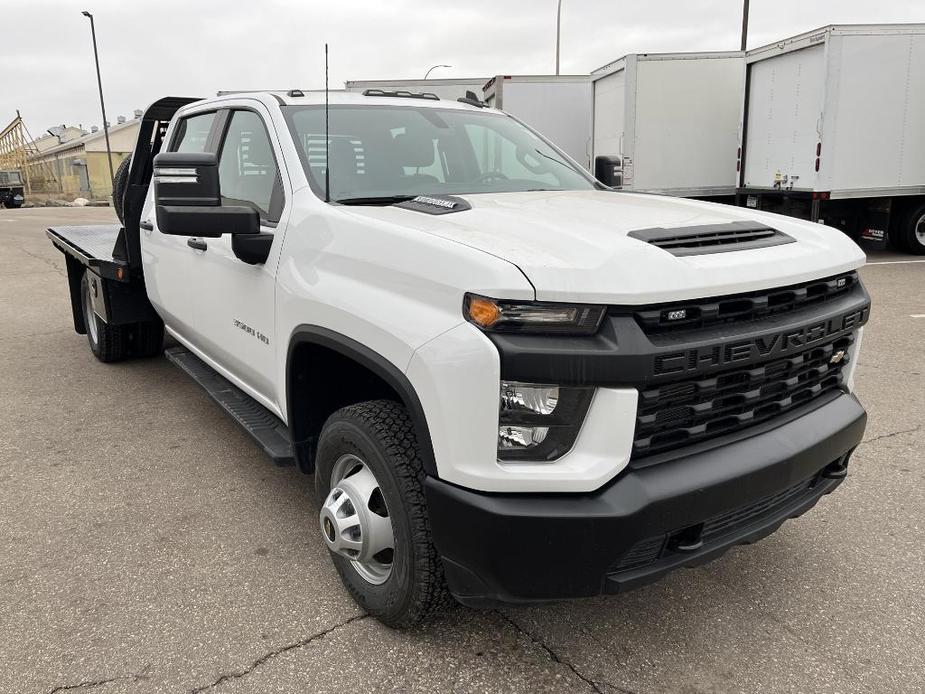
<point x="315" y="97"/>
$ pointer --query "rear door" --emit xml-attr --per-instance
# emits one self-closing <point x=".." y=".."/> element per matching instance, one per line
<point x="169" y="261"/>
<point x="237" y="321"/>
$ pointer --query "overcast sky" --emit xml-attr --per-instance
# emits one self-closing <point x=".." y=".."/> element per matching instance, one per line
<point x="195" y="47"/>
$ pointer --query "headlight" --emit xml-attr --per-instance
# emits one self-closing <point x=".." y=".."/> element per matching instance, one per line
<point x="538" y="422"/>
<point x="495" y="315"/>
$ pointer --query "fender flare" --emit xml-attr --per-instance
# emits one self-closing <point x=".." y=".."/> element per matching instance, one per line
<point x="374" y="362"/>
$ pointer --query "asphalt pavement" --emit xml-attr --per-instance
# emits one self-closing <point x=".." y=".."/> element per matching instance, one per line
<point x="146" y="545"/>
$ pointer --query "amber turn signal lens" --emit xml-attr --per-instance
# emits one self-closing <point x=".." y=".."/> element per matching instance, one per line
<point x="483" y="312"/>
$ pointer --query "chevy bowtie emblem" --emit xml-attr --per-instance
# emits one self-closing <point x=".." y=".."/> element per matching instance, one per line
<point x="837" y="357"/>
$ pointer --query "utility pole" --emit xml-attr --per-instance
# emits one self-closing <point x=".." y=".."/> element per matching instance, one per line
<point x="744" y="25"/>
<point x="559" y="33"/>
<point x="99" y="82"/>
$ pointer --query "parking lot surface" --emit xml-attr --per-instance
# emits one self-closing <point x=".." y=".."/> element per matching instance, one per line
<point x="146" y="545"/>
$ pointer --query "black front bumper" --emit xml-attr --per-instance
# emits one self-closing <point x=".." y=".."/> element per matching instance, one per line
<point x="516" y="548"/>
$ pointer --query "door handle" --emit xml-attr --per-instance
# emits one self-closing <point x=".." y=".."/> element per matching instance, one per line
<point x="198" y="244"/>
<point x="146" y="225"/>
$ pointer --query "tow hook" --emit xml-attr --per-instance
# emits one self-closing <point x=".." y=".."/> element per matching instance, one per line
<point x="687" y="540"/>
<point x="837" y="470"/>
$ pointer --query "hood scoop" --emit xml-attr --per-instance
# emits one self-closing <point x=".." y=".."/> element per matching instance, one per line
<point x="712" y="238"/>
<point x="435" y="204"/>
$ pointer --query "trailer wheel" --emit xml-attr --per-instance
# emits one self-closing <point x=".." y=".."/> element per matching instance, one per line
<point x="369" y="479"/>
<point x="119" y="185"/>
<point x="912" y="231"/>
<point x="107" y="342"/>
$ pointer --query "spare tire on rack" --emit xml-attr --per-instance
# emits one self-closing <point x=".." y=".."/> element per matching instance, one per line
<point x="119" y="186"/>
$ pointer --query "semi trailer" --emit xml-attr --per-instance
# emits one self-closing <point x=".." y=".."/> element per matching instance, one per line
<point x="833" y="130"/>
<point x="668" y="123"/>
<point x="559" y="106"/>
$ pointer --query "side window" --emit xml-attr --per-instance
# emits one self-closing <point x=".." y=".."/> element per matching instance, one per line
<point x="192" y="133"/>
<point x="247" y="171"/>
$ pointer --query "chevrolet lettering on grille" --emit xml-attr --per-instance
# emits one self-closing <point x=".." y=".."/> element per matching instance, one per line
<point x="717" y="356"/>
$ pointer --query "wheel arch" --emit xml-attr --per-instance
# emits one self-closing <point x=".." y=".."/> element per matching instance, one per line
<point x="316" y="356"/>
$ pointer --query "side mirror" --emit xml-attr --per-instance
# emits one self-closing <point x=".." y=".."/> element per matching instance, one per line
<point x="188" y="199"/>
<point x="609" y="171"/>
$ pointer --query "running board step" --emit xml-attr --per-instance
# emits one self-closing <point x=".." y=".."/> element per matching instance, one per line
<point x="268" y="430"/>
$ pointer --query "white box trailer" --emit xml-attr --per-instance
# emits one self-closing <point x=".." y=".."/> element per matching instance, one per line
<point x="557" y="106"/>
<point x="834" y="130"/>
<point x="450" y="88"/>
<point x="671" y="120"/>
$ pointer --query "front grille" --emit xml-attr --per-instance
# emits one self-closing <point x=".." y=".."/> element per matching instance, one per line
<point x="691" y="315"/>
<point x="723" y="524"/>
<point x="689" y="411"/>
<point x="713" y="530"/>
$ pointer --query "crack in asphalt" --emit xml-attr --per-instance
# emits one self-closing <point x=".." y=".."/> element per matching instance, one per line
<point x="892" y="434"/>
<point x="274" y="653"/>
<point x="48" y="261"/>
<point x="87" y="684"/>
<point x="556" y="658"/>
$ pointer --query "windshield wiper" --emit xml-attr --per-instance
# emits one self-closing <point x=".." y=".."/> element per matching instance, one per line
<point x="558" y="161"/>
<point x="375" y="200"/>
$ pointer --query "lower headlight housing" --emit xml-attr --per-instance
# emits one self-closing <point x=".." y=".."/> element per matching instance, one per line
<point x="539" y="422"/>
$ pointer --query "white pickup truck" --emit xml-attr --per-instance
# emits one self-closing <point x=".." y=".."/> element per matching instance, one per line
<point x="511" y="383"/>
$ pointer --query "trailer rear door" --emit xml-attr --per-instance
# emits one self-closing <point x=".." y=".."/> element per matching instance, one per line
<point x="784" y="118"/>
<point x="874" y="128"/>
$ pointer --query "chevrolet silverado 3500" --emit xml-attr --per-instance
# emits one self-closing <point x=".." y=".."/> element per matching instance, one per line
<point x="511" y="383"/>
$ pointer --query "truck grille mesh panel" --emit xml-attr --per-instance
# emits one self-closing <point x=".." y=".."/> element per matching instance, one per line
<point x="742" y="307"/>
<point x="686" y="412"/>
<point x="650" y="550"/>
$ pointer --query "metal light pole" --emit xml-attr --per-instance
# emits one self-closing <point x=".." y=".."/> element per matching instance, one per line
<point x="744" y="25"/>
<point x="558" y="33"/>
<point x="427" y="74"/>
<point x="99" y="82"/>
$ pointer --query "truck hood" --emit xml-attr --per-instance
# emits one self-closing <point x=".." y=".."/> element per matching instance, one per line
<point x="574" y="245"/>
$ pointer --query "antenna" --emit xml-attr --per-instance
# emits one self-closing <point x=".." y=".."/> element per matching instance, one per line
<point x="327" y="140"/>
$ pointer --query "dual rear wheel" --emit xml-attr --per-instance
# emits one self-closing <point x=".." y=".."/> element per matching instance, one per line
<point x="110" y="343"/>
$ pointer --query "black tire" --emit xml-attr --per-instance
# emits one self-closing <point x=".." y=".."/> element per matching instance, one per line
<point x="147" y="339"/>
<point x="108" y="343"/>
<point x="911" y="231"/>
<point x="381" y="434"/>
<point x="119" y="186"/>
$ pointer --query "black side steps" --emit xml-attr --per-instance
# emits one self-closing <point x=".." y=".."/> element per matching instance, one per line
<point x="268" y="430"/>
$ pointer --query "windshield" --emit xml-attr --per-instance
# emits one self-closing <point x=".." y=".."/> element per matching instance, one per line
<point x="388" y="152"/>
<point x="8" y="178"/>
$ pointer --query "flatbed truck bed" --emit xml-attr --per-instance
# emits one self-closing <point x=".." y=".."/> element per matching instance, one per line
<point x="92" y="246"/>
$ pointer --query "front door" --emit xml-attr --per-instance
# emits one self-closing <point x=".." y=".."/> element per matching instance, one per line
<point x="237" y="301"/>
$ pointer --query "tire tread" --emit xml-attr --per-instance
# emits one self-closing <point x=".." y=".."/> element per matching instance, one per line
<point x="392" y="429"/>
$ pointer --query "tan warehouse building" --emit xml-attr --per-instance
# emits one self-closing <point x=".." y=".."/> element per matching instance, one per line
<point x="79" y="167"/>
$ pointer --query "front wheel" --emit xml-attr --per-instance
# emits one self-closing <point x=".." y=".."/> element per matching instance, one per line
<point x="373" y="516"/>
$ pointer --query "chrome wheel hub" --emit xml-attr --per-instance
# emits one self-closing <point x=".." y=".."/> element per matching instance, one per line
<point x="920" y="230"/>
<point x="90" y="316"/>
<point x="355" y="521"/>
